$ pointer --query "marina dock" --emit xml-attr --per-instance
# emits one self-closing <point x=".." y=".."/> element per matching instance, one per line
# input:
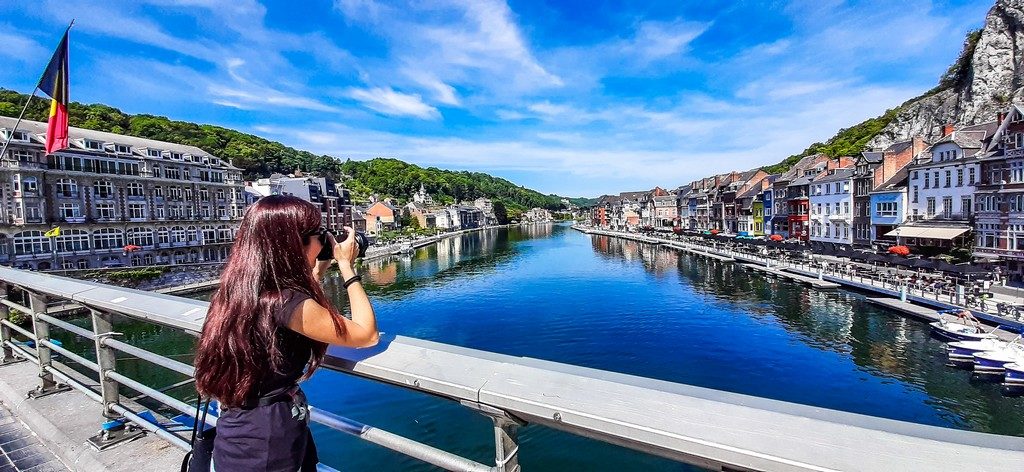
<point x="813" y="282"/>
<point x="928" y="315"/>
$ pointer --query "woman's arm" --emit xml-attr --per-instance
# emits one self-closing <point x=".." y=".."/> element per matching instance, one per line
<point x="315" y="322"/>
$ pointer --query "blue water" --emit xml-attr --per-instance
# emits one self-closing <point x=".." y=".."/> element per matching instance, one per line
<point x="552" y="293"/>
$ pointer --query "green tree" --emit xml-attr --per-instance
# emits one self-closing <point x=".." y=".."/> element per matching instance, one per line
<point x="500" y="213"/>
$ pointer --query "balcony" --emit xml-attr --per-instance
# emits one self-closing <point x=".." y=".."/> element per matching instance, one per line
<point x="942" y="217"/>
<point x="73" y="219"/>
<point x="74" y="195"/>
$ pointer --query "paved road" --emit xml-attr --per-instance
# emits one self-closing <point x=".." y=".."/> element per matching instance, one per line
<point x="21" y="451"/>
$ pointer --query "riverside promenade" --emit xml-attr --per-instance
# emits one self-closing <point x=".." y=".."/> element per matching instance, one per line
<point x="913" y="299"/>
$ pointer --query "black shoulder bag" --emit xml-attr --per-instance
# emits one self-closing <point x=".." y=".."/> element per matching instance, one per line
<point x="201" y="455"/>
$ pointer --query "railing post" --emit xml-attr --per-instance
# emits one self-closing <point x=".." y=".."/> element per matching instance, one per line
<point x="506" y="444"/>
<point x="5" y="334"/>
<point x="103" y="326"/>
<point x="41" y="329"/>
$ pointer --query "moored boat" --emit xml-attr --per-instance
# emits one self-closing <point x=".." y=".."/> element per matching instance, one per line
<point x="1014" y="375"/>
<point x="994" y="362"/>
<point x="964" y="351"/>
<point x="965" y="328"/>
<point x="960" y="331"/>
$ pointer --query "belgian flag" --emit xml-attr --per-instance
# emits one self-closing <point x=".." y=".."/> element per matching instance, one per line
<point x="54" y="83"/>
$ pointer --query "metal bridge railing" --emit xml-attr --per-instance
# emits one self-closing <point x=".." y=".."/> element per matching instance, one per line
<point x="712" y="429"/>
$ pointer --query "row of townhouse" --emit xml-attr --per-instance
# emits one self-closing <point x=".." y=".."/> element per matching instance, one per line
<point x="632" y="210"/>
<point x="109" y="192"/>
<point x="965" y="189"/>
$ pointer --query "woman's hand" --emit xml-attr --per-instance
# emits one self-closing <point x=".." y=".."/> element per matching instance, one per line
<point x="346" y="251"/>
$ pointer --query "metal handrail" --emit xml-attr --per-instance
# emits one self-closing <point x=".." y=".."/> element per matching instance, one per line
<point x="690" y="424"/>
<point x="42" y="321"/>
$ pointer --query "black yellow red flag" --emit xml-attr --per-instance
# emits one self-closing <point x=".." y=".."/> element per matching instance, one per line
<point x="54" y="83"/>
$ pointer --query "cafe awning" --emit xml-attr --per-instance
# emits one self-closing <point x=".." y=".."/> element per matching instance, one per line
<point x="933" y="232"/>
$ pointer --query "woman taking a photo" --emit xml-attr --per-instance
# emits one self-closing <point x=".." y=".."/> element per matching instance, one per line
<point x="268" y="327"/>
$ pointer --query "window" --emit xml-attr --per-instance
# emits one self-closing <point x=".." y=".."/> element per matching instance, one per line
<point x="192" y="234"/>
<point x="177" y="234"/>
<point x="927" y="180"/>
<point x="159" y="212"/>
<point x="209" y="235"/>
<point x="172" y="173"/>
<point x="220" y="194"/>
<point x="188" y="193"/>
<point x="965" y="206"/>
<point x="72" y="240"/>
<point x="947" y="207"/>
<point x="204" y="194"/>
<point x="103" y="189"/>
<point x="970" y="176"/>
<point x="930" y="211"/>
<point x="108" y="238"/>
<point x="153" y="153"/>
<point x="69" y="210"/>
<point x="158" y="192"/>
<point x="846" y="208"/>
<point x="94" y="145"/>
<point x="105" y="211"/>
<point x="176" y="156"/>
<point x="163" y="236"/>
<point x="31" y="242"/>
<point x="140" y="237"/>
<point x="135" y="190"/>
<point x="885" y="209"/>
<point x="948" y="178"/>
<point x="30" y="185"/>
<point x="67" y="188"/>
<point x="136" y="211"/>
<point x="915" y="194"/>
<point x="122" y="149"/>
<point x="915" y="175"/>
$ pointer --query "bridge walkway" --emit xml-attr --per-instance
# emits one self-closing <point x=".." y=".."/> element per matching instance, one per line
<point x="21" y="450"/>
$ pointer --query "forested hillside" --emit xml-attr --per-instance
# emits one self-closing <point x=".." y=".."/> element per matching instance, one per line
<point x="261" y="157"/>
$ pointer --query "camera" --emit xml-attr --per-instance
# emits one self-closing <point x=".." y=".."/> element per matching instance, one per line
<point x="327" y="251"/>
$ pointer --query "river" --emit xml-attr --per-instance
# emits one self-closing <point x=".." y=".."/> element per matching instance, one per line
<point x="552" y="293"/>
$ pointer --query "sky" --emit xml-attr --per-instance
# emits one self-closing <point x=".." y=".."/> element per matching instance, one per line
<point x="577" y="98"/>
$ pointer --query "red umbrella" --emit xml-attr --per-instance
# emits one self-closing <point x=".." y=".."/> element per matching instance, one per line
<point x="132" y="248"/>
<point x="775" y="237"/>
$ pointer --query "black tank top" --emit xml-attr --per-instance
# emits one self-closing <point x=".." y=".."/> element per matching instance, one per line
<point x="295" y="348"/>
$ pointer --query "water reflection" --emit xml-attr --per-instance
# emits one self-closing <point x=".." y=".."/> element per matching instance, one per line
<point x="885" y="347"/>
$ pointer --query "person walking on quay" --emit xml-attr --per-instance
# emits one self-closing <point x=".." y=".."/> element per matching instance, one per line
<point x="268" y="328"/>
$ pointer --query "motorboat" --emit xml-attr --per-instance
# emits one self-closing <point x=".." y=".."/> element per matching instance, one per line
<point x="965" y="328"/>
<point x="1014" y="374"/>
<point x="994" y="362"/>
<point x="964" y="351"/>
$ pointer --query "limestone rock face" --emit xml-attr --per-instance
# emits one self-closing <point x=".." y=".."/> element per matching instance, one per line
<point x="978" y="90"/>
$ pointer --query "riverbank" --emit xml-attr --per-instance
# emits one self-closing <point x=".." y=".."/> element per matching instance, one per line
<point x="845" y="276"/>
<point x="377" y="252"/>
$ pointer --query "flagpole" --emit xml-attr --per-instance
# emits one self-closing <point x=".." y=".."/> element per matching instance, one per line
<point x="7" y="142"/>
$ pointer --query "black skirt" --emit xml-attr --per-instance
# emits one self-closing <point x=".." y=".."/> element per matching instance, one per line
<point x="271" y="438"/>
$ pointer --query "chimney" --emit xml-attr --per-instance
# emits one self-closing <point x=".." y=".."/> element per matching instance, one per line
<point x="1000" y="117"/>
<point x="947" y="129"/>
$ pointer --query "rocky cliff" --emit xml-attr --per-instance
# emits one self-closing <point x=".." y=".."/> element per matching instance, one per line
<point x="986" y="77"/>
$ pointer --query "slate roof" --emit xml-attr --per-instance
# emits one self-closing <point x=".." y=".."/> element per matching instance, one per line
<point x="873" y="156"/>
<point x="38" y="129"/>
<point x="844" y="173"/>
<point x="897" y="181"/>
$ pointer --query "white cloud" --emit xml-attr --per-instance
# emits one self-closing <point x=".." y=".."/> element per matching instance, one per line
<point x="390" y="102"/>
<point x="453" y="43"/>
<point x="20" y="48"/>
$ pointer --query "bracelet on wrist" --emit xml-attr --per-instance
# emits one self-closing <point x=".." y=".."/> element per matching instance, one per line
<point x="352" y="280"/>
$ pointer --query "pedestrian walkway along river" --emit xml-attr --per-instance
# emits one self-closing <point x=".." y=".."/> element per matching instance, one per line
<point x="552" y="293"/>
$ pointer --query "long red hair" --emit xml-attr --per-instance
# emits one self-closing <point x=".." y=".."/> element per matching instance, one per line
<point x="237" y="345"/>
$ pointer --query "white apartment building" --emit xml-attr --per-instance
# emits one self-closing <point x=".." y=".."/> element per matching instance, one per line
<point x="119" y="200"/>
<point x="335" y="207"/>
<point x="831" y="202"/>
<point x="941" y="186"/>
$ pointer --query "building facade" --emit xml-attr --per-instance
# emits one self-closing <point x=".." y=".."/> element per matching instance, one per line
<point x="831" y="203"/>
<point x="119" y="201"/>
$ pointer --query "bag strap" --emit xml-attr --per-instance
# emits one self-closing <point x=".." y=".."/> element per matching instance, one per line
<point x="201" y="430"/>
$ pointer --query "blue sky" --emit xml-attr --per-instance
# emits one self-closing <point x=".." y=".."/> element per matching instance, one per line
<point x="575" y="98"/>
